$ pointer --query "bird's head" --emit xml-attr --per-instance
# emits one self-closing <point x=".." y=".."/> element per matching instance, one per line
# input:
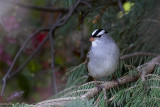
<point x="96" y="34"/>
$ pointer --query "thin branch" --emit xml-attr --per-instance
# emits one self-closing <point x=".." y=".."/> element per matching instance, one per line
<point x="138" y="54"/>
<point x="121" y="6"/>
<point x="54" y="84"/>
<point x="60" y="21"/>
<point x="52" y="63"/>
<point x="82" y="42"/>
<point x="17" y="55"/>
<point x="38" y="8"/>
<point x="152" y="20"/>
<point x="71" y="10"/>
<point x="29" y="58"/>
<point x="81" y="19"/>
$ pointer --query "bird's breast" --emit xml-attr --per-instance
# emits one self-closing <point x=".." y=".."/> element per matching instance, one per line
<point x="103" y="60"/>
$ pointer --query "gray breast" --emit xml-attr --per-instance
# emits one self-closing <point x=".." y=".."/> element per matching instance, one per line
<point x="103" y="59"/>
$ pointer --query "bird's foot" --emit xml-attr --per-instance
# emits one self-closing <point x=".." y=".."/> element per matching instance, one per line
<point x="117" y="80"/>
<point x="99" y="87"/>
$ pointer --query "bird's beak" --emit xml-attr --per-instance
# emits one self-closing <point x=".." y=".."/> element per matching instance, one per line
<point x="91" y="39"/>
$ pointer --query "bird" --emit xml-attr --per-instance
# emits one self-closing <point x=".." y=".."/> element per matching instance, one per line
<point x="103" y="56"/>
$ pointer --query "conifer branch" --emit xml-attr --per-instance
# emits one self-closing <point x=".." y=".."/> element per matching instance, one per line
<point x="138" y="54"/>
<point x="147" y="68"/>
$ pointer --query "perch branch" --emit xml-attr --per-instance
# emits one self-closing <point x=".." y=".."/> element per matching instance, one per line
<point x="138" y="54"/>
<point x="147" y="68"/>
<point x="29" y="6"/>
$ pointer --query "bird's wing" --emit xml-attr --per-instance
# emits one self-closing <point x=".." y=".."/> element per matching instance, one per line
<point x="90" y="78"/>
<point x="87" y="59"/>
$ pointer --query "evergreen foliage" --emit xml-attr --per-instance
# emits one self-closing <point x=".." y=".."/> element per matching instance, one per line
<point x="135" y="31"/>
<point x="80" y="103"/>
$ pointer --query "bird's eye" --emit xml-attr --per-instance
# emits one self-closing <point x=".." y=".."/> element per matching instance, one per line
<point x="94" y="36"/>
<point x="98" y="36"/>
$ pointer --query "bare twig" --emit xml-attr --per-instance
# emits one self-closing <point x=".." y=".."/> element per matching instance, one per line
<point x="14" y="96"/>
<point x="52" y="63"/>
<point x="138" y="54"/>
<point x="86" y="3"/>
<point x="29" y="6"/>
<point x="17" y="55"/>
<point x="30" y="57"/>
<point x="152" y="20"/>
<point x="121" y="6"/>
<point x="60" y="21"/>
<point x="54" y="84"/>
<point x="71" y="10"/>
<point x="82" y="43"/>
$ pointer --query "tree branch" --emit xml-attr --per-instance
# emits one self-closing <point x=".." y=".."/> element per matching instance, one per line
<point x="121" y="6"/>
<point x="52" y="63"/>
<point x="147" y="68"/>
<point x="138" y="54"/>
<point x="38" y="8"/>
<point x="60" y="21"/>
<point x="17" y="55"/>
<point x="29" y="58"/>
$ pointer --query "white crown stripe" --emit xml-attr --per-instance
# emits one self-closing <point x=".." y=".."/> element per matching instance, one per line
<point x="101" y="32"/>
<point x="94" y="32"/>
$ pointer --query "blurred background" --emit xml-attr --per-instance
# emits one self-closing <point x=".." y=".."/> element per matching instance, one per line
<point x="134" y="24"/>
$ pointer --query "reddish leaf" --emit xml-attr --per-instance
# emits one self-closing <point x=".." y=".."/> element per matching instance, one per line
<point x="1" y="99"/>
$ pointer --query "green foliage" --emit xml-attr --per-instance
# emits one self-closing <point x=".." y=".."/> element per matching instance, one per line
<point x="133" y="34"/>
<point x="21" y="105"/>
<point x="80" y="103"/>
<point x="141" y="93"/>
<point x="77" y="75"/>
<point x="64" y="3"/>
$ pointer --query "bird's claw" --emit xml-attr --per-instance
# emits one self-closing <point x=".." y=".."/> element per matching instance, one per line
<point x="99" y="87"/>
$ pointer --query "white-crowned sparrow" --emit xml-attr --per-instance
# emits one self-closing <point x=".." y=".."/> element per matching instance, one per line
<point x="103" y="57"/>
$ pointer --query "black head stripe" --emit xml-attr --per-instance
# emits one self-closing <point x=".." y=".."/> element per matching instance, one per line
<point x="106" y="32"/>
<point x="95" y="34"/>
